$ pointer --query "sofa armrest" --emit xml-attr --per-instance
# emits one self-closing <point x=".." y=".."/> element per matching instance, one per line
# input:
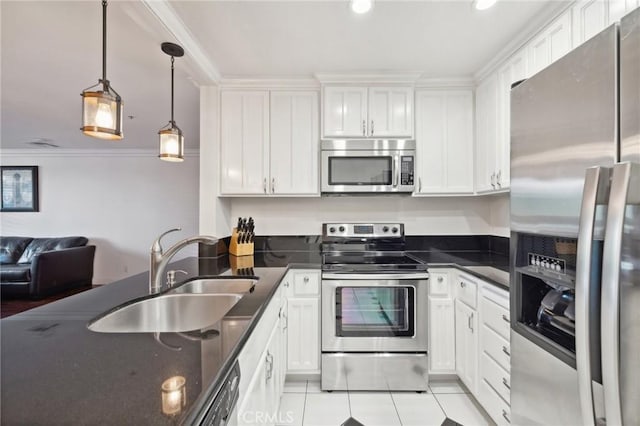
<point x="60" y="269"/>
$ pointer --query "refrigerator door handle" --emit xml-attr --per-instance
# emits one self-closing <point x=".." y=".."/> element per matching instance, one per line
<point x="595" y="184"/>
<point x="625" y="175"/>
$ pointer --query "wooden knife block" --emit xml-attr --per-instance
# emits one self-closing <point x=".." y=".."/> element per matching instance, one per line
<point x="240" y="249"/>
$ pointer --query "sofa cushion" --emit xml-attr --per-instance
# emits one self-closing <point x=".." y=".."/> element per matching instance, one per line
<point x="48" y="244"/>
<point x="15" y="273"/>
<point x="11" y="248"/>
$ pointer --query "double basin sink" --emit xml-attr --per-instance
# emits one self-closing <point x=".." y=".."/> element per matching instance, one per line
<point x="193" y="305"/>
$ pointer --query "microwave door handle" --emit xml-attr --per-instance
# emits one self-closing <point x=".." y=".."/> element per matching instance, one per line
<point x="396" y="171"/>
<point x="595" y="183"/>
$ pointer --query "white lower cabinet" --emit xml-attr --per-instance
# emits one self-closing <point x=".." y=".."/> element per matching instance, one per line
<point x="494" y="392"/>
<point x="467" y="345"/>
<point x="442" y="344"/>
<point x="303" y="319"/>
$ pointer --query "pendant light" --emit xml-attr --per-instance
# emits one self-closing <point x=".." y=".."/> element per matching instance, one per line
<point x="101" y="104"/>
<point x="171" y="138"/>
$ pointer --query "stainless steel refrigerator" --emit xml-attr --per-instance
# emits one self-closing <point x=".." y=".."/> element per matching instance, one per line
<point x="575" y="236"/>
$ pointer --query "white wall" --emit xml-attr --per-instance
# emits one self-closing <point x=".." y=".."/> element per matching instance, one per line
<point x="499" y="214"/>
<point x="421" y="216"/>
<point x="121" y="200"/>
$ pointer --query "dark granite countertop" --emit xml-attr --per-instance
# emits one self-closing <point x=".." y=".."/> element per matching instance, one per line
<point x="56" y="371"/>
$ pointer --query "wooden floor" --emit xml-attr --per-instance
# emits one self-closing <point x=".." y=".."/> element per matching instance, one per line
<point x="10" y="307"/>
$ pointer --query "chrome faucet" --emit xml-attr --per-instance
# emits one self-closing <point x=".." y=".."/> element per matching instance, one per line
<point x="160" y="259"/>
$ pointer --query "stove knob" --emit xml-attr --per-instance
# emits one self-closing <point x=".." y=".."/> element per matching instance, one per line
<point x="341" y="229"/>
<point x="385" y="229"/>
<point x="332" y="229"/>
<point x="394" y="230"/>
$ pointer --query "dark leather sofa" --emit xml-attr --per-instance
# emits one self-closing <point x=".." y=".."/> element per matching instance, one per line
<point x="39" y="267"/>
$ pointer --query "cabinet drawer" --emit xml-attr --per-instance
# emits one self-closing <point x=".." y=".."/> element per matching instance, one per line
<point x="495" y="316"/>
<point x="497" y="347"/>
<point x="467" y="290"/>
<point x="438" y="283"/>
<point x="306" y="283"/>
<point x="496" y="376"/>
<point x="495" y="406"/>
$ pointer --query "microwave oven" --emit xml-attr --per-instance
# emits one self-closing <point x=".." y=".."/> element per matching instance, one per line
<point x="368" y="166"/>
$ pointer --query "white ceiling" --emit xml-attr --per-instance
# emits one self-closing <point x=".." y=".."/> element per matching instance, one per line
<point x="51" y="51"/>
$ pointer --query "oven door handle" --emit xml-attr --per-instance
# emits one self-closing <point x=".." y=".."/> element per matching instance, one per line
<point x="376" y="276"/>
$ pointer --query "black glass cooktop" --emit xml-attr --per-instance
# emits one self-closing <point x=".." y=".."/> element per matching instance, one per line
<point x="380" y="261"/>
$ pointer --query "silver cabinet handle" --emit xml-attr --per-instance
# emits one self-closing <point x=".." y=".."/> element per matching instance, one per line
<point x="493" y="180"/>
<point x="471" y="322"/>
<point x="273" y="185"/>
<point x="286" y="284"/>
<point x="594" y="177"/>
<point x="269" y="365"/>
<point x="364" y="128"/>
<point x="286" y="321"/>
<point x="504" y="317"/>
<point x="305" y="279"/>
<point x="419" y="184"/>
<point x="264" y="185"/>
<point x="498" y="176"/>
<point x="505" y="383"/>
<point x="504" y="414"/>
<point x="440" y="279"/>
<point x="624" y="192"/>
<point x="462" y="284"/>
<point x="506" y="351"/>
<point x="371" y="127"/>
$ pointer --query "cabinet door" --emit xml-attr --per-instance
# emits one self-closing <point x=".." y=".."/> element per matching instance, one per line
<point x="303" y="347"/>
<point x="444" y="138"/>
<point x="486" y="134"/>
<point x="466" y="345"/>
<point x="514" y="70"/>
<point x="589" y="18"/>
<point x="442" y="349"/>
<point x="294" y="143"/>
<point x="244" y="144"/>
<point x="344" y="111"/>
<point x="551" y="44"/>
<point x="390" y="112"/>
<point x="619" y="8"/>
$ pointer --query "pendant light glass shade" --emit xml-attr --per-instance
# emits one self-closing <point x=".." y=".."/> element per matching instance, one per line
<point x="171" y="144"/>
<point x="171" y="138"/>
<point x="101" y="104"/>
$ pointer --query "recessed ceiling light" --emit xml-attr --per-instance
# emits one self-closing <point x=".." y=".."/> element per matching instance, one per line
<point x="361" y="6"/>
<point x="483" y="4"/>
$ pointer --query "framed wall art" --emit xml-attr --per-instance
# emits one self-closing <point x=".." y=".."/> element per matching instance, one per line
<point x="19" y="188"/>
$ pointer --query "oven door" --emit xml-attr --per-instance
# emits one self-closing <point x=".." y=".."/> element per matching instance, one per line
<point x="374" y="313"/>
<point x="367" y="171"/>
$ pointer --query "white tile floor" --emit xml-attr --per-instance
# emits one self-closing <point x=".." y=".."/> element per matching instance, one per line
<point x="304" y="404"/>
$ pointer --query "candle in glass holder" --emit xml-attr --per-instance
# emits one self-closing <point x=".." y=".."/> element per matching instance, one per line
<point x="174" y="395"/>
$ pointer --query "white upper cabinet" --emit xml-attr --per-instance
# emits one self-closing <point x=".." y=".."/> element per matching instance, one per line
<point x="551" y="44"/>
<point x="619" y="8"/>
<point x="589" y="18"/>
<point x="367" y="112"/>
<point x="244" y="151"/>
<point x="390" y="111"/>
<point x="345" y="111"/>
<point x="444" y="141"/>
<point x="294" y="143"/>
<point x="487" y="134"/>
<point x="269" y="143"/>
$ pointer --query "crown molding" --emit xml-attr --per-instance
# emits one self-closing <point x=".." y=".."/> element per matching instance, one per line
<point x="109" y="152"/>
<point x="446" y="83"/>
<point x="532" y="29"/>
<point x="269" y="83"/>
<point x="374" y="77"/>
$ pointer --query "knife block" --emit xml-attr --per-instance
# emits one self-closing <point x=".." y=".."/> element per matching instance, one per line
<point x="239" y="249"/>
<point x="241" y="265"/>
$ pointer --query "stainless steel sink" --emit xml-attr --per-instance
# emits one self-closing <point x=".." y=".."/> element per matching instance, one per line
<point x="215" y="286"/>
<point x="168" y="313"/>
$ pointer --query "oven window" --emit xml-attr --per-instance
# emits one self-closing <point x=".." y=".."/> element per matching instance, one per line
<point x="360" y="170"/>
<point x="375" y="311"/>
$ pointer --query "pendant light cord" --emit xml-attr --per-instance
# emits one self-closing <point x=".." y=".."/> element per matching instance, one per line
<point x="173" y="123"/>
<point x="104" y="44"/>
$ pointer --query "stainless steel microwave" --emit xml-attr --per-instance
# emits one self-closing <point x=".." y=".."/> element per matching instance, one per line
<point x="368" y="166"/>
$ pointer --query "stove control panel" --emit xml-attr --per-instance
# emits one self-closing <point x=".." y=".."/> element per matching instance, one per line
<point x="363" y="230"/>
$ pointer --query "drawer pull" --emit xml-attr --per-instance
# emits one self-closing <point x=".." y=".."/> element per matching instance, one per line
<point x="504" y="414"/>
<point x="440" y="279"/>
<point x="305" y="279"/>
<point x="505" y="383"/>
<point x="506" y="351"/>
<point x="462" y="284"/>
<point x="504" y="317"/>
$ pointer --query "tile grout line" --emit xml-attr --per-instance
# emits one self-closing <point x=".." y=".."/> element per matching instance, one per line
<point x="304" y="405"/>
<point x="396" y="408"/>
<point x="439" y="405"/>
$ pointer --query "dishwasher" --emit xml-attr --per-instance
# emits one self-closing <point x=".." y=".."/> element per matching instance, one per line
<point x="222" y="411"/>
